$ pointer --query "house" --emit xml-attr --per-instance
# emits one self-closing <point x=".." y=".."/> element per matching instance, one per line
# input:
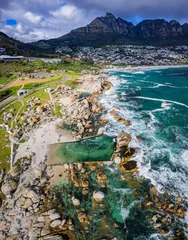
<point x="11" y="58"/>
<point x="48" y="90"/>
<point x="2" y="50"/>
<point x="21" y="92"/>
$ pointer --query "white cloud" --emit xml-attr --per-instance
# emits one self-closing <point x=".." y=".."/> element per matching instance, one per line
<point x="50" y="22"/>
<point x="19" y="28"/>
<point x="42" y="19"/>
<point x="33" y="18"/>
<point x="67" y="12"/>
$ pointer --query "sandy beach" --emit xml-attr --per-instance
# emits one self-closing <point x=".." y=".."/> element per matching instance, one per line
<point x="129" y="68"/>
<point x="40" y="138"/>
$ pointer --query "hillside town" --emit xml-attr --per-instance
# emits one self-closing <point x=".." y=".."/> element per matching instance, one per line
<point x="130" y="55"/>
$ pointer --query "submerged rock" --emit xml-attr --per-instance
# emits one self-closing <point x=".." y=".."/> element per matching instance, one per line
<point x="75" y="202"/>
<point x="82" y="217"/>
<point x="98" y="196"/>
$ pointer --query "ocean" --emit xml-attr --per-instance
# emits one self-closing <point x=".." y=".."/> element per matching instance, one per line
<point x="156" y="102"/>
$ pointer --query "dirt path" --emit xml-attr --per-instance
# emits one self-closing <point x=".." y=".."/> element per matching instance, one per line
<point x="14" y="120"/>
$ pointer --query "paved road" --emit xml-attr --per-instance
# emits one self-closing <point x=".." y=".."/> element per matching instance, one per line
<point x="6" y="85"/>
<point x="11" y="98"/>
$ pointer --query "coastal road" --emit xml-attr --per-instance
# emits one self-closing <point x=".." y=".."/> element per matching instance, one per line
<point x="11" y="98"/>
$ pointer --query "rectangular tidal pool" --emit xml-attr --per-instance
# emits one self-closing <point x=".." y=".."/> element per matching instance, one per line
<point x="89" y="150"/>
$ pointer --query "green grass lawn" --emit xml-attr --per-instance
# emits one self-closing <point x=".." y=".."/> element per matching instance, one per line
<point x="4" y="152"/>
<point x="72" y="79"/>
<point x="58" y="110"/>
<point x="6" y="79"/>
<point x="38" y="94"/>
<point x="16" y="106"/>
<point x="44" y="97"/>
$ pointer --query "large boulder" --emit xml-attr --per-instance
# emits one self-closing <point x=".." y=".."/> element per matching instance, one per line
<point x="55" y="223"/>
<point x="54" y="216"/>
<point x="101" y="130"/>
<point x="9" y="187"/>
<point x="117" y="160"/>
<point x="33" y="196"/>
<point x="123" y="139"/>
<point x="130" y="166"/>
<point x="67" y="100"/>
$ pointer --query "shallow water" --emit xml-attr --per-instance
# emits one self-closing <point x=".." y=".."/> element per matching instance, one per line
<point x="92" y="149"/>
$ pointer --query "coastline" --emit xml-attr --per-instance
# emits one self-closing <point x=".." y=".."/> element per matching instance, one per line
<point x="156" y="186"/>
<point x="88" y="180"/>
<point x="39" y="139"/>
<point x="144" y="67"/>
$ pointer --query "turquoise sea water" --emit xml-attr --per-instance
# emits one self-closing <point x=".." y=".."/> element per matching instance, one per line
<point x="156" y="102"/>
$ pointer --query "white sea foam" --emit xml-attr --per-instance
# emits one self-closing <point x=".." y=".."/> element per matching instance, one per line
<point x="162" y="100"/>
<point x="166" y="106"/>
<point x="161" y="176"/>
<point x="184" y="158"/>
<point x="125" y="76"/>
<point x="146" y="81"/>
<point x="138" y="72"/>
<point x="126" y="211"/>
<point x="165" y="178"/>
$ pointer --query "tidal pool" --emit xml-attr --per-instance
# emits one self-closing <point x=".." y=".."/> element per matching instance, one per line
<point x="89" y="150"/>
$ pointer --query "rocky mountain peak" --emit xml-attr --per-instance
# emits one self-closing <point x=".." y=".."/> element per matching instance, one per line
<point x="110" y="16"/>
<point x="109" y="30"/>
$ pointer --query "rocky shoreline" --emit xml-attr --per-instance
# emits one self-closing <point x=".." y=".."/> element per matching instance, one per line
<point x="35" y="208"/>
<point x="26" y="186"/>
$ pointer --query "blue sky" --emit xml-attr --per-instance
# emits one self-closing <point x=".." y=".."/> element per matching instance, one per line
<point x="31" y="20"/>
<point x="11" y="22"/>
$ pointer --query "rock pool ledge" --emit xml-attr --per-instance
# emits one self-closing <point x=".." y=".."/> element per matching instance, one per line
<point x="99" y="201"/>
<point x="98" y="148"/>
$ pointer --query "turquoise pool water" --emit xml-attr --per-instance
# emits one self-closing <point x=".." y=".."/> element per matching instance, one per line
<point x="92" y="149"/>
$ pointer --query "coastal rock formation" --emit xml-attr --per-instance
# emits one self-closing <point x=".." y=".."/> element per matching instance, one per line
<point x="67" y="207"/>
<point x="123" y="140"/>
<point x="118" y="118"/>
<point x="9" y="187"/>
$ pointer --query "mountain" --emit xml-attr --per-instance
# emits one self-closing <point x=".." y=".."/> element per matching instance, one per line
<point x="102" y="31"/>
<point x="110" y="30"/>
<point x="15" y="47"/>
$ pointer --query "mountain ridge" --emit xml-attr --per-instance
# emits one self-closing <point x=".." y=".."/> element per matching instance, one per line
<point x="109" y="30"/>
<point x="106" y="30"/>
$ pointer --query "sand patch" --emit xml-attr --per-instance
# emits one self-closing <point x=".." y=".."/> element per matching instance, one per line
<point x="40" y="138"/>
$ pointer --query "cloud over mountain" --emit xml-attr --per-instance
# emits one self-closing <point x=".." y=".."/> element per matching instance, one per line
<point x="43" y="19"/>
